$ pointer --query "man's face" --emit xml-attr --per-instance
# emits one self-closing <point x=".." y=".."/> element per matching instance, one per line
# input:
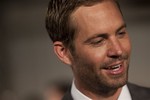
<point x="102" y="47"/>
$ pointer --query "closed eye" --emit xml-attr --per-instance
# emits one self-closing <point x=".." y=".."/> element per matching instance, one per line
<point x="121" y="31"/>
<point x="121" y="34"/>
<point x="96" y="41"/>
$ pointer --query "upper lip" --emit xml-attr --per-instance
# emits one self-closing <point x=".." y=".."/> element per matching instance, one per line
<point x="114" y="64"/>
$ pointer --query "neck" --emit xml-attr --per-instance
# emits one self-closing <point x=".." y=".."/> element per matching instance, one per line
<point x="112" y="94"/>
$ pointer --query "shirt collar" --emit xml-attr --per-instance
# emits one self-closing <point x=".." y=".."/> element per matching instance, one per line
<point x="125" y="94"/>
<point x="77" y="95"/>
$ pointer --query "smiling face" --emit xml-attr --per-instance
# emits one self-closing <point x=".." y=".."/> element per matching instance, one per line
<point x="102" y="48"/>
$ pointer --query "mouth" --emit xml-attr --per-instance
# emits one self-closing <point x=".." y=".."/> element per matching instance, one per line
<point x="115" y="69"/>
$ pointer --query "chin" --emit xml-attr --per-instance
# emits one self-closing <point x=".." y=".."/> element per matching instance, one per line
<point x="118" y="82"/>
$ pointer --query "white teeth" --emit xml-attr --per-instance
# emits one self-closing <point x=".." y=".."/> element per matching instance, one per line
<point x="115" y="68"/>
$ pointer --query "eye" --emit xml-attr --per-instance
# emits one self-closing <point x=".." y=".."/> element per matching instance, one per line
<point x="97" y="41"/>
<point x="121" y="34"/>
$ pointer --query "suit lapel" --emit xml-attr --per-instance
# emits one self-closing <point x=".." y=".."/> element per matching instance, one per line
<point x="138" y="92"/>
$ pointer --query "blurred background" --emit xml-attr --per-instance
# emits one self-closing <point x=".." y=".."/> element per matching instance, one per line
<point x="27" y="60"/>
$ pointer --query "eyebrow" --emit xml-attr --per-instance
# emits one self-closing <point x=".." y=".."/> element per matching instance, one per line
<point x="121" y="27"/>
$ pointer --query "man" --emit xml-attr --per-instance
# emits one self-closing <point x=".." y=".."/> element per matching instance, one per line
<point x="91" y="37"/>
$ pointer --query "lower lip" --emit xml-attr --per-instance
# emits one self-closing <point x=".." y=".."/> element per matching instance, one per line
<point x="116" y="72"/>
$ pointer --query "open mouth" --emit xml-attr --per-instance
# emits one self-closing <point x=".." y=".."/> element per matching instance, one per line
<point x="115" y="67"/>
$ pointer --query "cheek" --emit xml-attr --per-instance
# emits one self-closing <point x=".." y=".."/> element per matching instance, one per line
<point x="95" y="56"/>
<point x="127" y="46"/>
<point x="100" y="55"/>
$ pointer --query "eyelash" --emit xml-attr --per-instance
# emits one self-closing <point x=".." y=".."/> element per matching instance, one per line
<point x="121" y="34"/>
<point x="97" y="42"/>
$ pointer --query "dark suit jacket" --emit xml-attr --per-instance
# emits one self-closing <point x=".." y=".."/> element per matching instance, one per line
<point x="137" y="93"/>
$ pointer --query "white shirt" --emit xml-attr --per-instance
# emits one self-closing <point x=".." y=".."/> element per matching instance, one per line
<point x="77" y="95"/>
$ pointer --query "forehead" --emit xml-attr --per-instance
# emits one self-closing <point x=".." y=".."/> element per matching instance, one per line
<point x="102" y="14"/>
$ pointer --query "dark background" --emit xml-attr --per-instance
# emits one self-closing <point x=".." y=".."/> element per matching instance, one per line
<point x="27" y="60"/>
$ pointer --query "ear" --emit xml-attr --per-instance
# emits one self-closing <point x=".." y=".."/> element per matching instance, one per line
<point x="62" y="52"/>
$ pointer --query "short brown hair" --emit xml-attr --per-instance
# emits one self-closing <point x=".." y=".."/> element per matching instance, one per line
<point x="58" y="21"/>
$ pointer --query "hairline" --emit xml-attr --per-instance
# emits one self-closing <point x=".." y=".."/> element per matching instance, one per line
<point x="72" y="20"/>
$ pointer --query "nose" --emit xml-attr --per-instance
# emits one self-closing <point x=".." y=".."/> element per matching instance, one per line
<point x="115" y="49"/>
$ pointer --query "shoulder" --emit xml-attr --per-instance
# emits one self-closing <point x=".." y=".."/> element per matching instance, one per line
<point x="139" y="92"/>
